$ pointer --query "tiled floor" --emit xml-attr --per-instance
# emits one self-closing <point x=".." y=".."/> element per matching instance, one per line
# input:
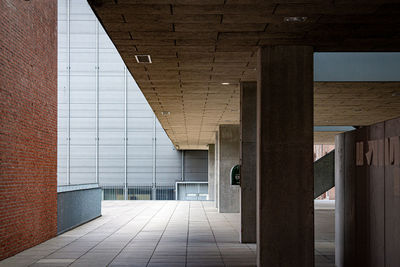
<point x="159" y="233"/>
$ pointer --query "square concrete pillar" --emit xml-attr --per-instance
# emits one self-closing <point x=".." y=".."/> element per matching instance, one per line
<point x="285" y="182"/>
<point x="216" y="172"/>
<point x="228" y="155"/>
<point x="211" y="172"/>
<point x="248" y="159"/>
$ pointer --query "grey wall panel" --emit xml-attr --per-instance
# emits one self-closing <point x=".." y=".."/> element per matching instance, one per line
<point x="139" y="178"/>
<point x="115" y="96"/>
<point x="92" y="83"/>
<point x="196" y="165"/>
<point x="107" y="82"/>
<point x="83" y="138"/>
<point x="141" y="124"/>
<point x="83" y="82"/>
<point x="140" y="164"/>
<point x="83" y="162"/>
<point x="109" y="178"/>
<point x="196" y="176"/>
<point x="111" y="152"/>
<point x="85" y="110"/>
<point x="167" y="178"/>
<point x="171" y="162"/>
<point x="77" y="207"/>
<point x="111" y="138"/>
<point x="140" y="152"/>
<point x="111" y="111"/>
<point x="83" y="124"/>
<point x="111" y="124"/>
<point x="139" y="139"/>
<point x="62" y="177"/>
<point x="82" y="177"/>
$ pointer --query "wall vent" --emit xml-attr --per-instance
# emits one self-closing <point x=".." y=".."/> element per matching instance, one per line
<point x="143" y="58"/>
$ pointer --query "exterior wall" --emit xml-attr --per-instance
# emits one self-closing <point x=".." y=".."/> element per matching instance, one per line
<point x="196" y="165"/>
<point x="28" y="121"/>
<point x="367" y="179"/>
<point x="107" y="132"/>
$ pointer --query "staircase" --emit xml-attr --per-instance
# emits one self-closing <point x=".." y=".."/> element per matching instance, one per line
<point x="324" y="174"/>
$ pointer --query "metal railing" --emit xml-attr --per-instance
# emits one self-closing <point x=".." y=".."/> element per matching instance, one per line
<point x="138" y="192"/>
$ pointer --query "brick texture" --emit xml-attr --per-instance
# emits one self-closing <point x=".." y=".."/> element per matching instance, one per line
<point x="28" y="124"/>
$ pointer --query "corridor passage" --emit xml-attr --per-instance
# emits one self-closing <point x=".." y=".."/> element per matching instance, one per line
<point x="157" y="233"/>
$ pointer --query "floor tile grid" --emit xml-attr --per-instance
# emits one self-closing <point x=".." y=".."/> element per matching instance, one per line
<point x="187" y="236"/>
<point x="212" y="231"/>
<point x="166" y="233"/>
<point x="251" y="247"/>
<point x="172" y="247"/>
<point x="110" y="249"/>
<point x="116" y="216"/>
<point x="162" y="234"/>
<point x="146" y="245"/>
<point x="227" y="237"/>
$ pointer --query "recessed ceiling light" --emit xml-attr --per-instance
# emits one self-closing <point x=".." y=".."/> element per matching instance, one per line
<point x="294" y="19"/>
<point x="165" y="113"/>
<point x="143" y="58"/>
<point x="225" y="83"/>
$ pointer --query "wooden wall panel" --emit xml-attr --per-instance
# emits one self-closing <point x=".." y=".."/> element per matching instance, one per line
<point x="368" y="196"/>
<point x="349" y="200"/>
<point x="376" y="199"/>
<point x="361" y="201"/>
<point x="392" y="203"/>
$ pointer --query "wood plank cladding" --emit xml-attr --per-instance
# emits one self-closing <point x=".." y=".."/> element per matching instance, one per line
<point x="368" y="196"/>
<point x="196" y="46"/>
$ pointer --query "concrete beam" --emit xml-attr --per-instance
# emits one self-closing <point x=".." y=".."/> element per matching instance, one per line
<point x="285" y="182"/>
<point x="248" y="158"/>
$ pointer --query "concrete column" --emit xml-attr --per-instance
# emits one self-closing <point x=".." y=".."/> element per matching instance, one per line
<point x="248" y="158"/>
<point x="216" y="172"/>
<point x="211" y="172"/>
<point x="228" y="150"/>
<point x="285" y="182"/>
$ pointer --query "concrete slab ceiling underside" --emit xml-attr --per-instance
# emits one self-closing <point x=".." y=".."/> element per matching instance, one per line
<point x="202" y="50"/>
<point x="162" y="233"/>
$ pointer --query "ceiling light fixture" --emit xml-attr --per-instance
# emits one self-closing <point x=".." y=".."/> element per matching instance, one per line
<point x="294" y="19"/>
<point x="143" y="58"/>
<point x="225" y="83"/>
<point x="165" y="113"/>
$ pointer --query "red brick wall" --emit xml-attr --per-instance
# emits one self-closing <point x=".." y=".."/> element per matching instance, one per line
<point x="28" y="123"/>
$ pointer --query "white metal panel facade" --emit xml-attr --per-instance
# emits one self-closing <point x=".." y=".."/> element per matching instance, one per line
<point x="107" y="132"/>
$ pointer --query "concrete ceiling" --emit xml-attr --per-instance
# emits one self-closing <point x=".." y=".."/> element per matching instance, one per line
<point x="196" y="46"/>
